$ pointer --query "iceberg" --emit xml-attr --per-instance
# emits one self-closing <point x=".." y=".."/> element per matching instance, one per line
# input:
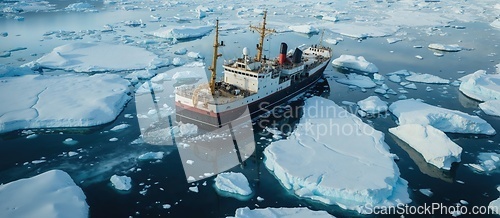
<point x="354" y="63"/>
<point x="411" y="111"/>
<point x="343" y="161"/>
<point x="426" y="78"/>
<point x="357" y="80"/>
<point x="491" y="107"/>
<point x="231" y="182"/>
<point x="441" y="47"/>
<point x="307" y="29"/>
<point x="85" y="100"/>
<point x="494" y="205"/>
<point x="183" y="32"/>
<point x="122" y="183"/>
<point x="481" y="86"/>
<point x="269" y="212"/>
<point x="50" y="194"/>
<point x="432" y="143"/>
<point x="373" y="105"/>
<point x="98" y="57"/>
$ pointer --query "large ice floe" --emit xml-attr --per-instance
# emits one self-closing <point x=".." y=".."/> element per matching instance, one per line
<point x="235" y="183"/>
<point x="296" y="212"/>
<point x="436" y="148"/>
<point x="373" y="105"/>
<point x="307" y="29"/>
<point x="357" y="80"/>
<point x="71" y="100"/>
<point x="182" y="32"/>
<point x="481" y="86"/>
<point x="411" y="111"/>
<point x="491" y="107"/>
<point x="50" y="194"/>
<point x="98" y="57"/>
<point x="354" y="63"/>
<point x="426" y="78"/>
<point x="123" y="183"/>
<point x="335" y="158"/>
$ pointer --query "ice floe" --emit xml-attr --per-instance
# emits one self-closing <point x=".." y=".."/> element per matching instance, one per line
<point x="357" y="80"/>
<point x="80" y="6"/>
<point x="119" y="127"/>
<point x="123" y="183"/>
<point x="494" y="205"/>
<point x="488" y="162"/>
<point x="411" y="111"/>
<point x="491" y="107"/>
<point x="426" y="78"/>
<point x="496" y="23"/>
<point x="98" y="57"/>
<point x="481" y="86"/>
<point x="354" y="63"/>
<point x="436" y="148"/>
<point x="50" y="194"/>
<point x="182" y="32"/>
<point x="85" y="100"/>
<point x="10" y="71"/>
<point x="348" y="168"/>
<point x="373" y="105"/>
<point x="441" y="47"/>
<point x="296" y="212"/>
<point x="307" y="29"/>
<point x="151" y="156"/>
<point x="235" y="183"/>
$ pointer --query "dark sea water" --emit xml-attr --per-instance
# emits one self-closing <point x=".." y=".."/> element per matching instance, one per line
<point x="165" y="180"/>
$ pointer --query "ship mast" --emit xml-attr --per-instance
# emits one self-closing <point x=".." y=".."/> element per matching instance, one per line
<point x="263" y="32"/>
<point x="216" y="55"/>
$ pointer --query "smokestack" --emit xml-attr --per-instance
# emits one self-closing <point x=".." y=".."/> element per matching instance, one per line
<point x="282" y="56"/>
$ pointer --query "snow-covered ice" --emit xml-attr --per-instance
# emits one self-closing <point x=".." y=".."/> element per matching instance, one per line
<point x="350" y="169"/>
<point x="98" y="57"/>
<point x="436" y="148"/>
<point x="411" y="111"/>
<point x="481" y="86"/>
<point x="495" y="204"/>
<point x="357" y="80"/>
<point x="491" y="107"/>
<point x="488" y="162"/>
<point x="354" y="63"/>
<point x="80" y="6"/>
<point x="496" y="23"/>
<point x="183" y="32"/>
<point x="119" y="127"/>
<point x="426" y="78"/>
<point x="187" y="129"/>
<point x="85" y="100"/>
<point x="232" y="182"/>
<point x="50" y="194"/>
<point x="151" y="156"/>
<point x="296" y="212"/>
<point x="123" y="183"/>
<point x="70" y="141"/>
<point x="373" y="105"/>
<point x="307" y="29"/>
<point x="441" y="47"/>
<point x="425" y="191"/>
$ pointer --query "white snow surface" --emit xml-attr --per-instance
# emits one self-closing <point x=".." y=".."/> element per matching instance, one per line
<point x="41" y="99"/>
<point x="307" y="29"/>
<point x="426" y="78"/>
<point x="98" y="57"/>
<point x="269" y="212"/>
<point x="442" y="47"/>
<point x="52" y="194"/>
<point x="491" y="107"/>
<point x="349" y="169"/>
<point x="232" y="182"/>
<point x="356" y="63"/>
<point x="182" y="32"/>
<point x="357" y="80"/>
<point x="411" y="111"/>
<point x="121" y="182"/>
<point x="373" y="105"/>
<point x="436" y="148"/>
<point x="481" y="86"/>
